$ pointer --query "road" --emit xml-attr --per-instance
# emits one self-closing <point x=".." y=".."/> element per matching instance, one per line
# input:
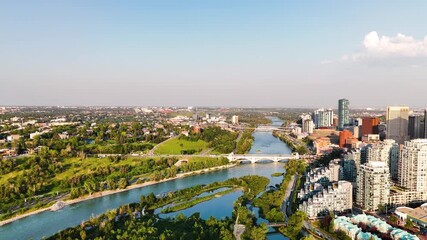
<point x="317" y="232"/>
<point x="288" y="193"/>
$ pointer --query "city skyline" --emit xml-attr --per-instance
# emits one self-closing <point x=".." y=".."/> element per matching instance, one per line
<point x="246" y="53"/>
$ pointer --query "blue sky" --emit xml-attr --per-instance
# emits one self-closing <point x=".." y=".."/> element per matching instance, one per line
<point x="213" y="53"/>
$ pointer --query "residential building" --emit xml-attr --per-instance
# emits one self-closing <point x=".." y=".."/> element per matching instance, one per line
<point x="384" y="151"/>
<point x="356" y="130"/>
<point x="369" y="125"/>
<point x="343" y="113"/>
<point x="308" y="126"/>
<point x="323" y="118"/>
<point x="325" y="175"/>
<point x="235" y="120"/>
<point x="351" y="164"/>
<point x="13" y="137"/>
<point x="373" y="185"/>
<point x="413" y="165"/>
<point x="397" y="123"/>
<point x="338" y="197"/>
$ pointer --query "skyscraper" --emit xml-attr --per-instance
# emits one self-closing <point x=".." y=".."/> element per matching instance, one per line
<point x="343" y="113"/>
<point x="397" y="123"/>
<point x="413" y="165"/>
<point x="373" y="185"/>
<point x="415" y="129"/>
<point x="425" y="124"/>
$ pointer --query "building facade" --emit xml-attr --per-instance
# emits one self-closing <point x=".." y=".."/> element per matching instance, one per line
<point x="397" y="124"/>
<point x="369" y="125"/>
<point x="323" y="118"/>
<point x="416" y="127"/>
<point x="338" y="197"/>
<point x="235" y="119"/>
<point x="413" y="165"/>
<point x="343" y="113"/>
<point x="308" y="126"/>
<point x="373" y="185"/>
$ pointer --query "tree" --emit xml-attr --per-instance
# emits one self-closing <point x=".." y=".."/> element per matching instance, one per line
<point x="123" y="183"/>
<point x="309" y="237"/>
<point x="274" y="215"/>
<point x="381" y="208"/>
<point x="409" y="223"/>
<point x="259" y="232"/>
<point x="295" y="224"/>
<point x="393" y="219"/>
<point x="90" y="186"/>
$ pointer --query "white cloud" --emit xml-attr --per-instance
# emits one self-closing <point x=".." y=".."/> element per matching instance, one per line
<point x="384" y="47"/>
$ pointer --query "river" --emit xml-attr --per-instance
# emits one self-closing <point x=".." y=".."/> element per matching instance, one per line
<point x="48" y="223"/>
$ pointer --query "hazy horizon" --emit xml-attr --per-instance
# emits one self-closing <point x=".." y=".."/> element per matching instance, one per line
<point x="240" y="53"/>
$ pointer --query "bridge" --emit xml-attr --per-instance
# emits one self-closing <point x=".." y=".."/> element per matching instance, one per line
<point x="253" y="158"/>
<point x="277" y="224"/>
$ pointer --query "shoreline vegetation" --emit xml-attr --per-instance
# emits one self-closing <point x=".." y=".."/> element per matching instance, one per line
<point x="139" y="220"/>
<point x="111" y="192"/>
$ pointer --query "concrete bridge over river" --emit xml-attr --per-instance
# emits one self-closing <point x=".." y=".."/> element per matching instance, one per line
<point x="253" y="158"/>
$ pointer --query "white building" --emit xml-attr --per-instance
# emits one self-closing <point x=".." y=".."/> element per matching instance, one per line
<point x="235" y="119"/>
<point x="308" y="126"/>
<point x="338" y="198"/>
<point x="413" y="165"/>
<point x="331" y="173"/>
<point x="386" y="151"/>
<point x="323" y="118"/>
<point x="373" y="185"/>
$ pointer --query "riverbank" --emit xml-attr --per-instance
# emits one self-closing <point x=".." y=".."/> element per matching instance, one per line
<point x="110" y="192"/>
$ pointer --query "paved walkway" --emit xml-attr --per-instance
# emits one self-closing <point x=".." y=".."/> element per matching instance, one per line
<point x="289" y="191"/>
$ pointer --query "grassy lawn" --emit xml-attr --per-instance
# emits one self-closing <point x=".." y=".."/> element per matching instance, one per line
<point x="4" y="178"/>
<point x="175" y="146"/>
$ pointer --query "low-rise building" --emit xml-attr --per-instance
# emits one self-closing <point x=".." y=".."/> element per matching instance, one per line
<point x="416" y="215"/>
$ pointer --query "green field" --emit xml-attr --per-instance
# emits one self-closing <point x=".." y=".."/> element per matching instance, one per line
<point x="176" y="146"/>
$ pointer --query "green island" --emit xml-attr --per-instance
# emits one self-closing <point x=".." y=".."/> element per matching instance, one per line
<point x="139" y="221"/>
<point x="244" y="144"/>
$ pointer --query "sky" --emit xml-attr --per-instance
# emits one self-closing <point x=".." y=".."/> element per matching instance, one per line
<point x="231" y="53"/>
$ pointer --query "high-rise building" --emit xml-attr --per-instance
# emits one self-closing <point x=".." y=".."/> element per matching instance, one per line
<point x="344" y="135"/>
<point x="343" y="113"/>
<point x="397" y="124"/>
<point x="425" y="124"/>
<point x="369" y="125"/>
<point x="373" y="185"/>
<point x="386" y="151"/>
<point x="413" y="165"/>
<point x="323" y="118"/>
<point x="415" y="129"/>
<point x="235" y="119"/>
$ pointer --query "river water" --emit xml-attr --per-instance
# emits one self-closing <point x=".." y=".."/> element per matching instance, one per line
<point x="48" y="223"/>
